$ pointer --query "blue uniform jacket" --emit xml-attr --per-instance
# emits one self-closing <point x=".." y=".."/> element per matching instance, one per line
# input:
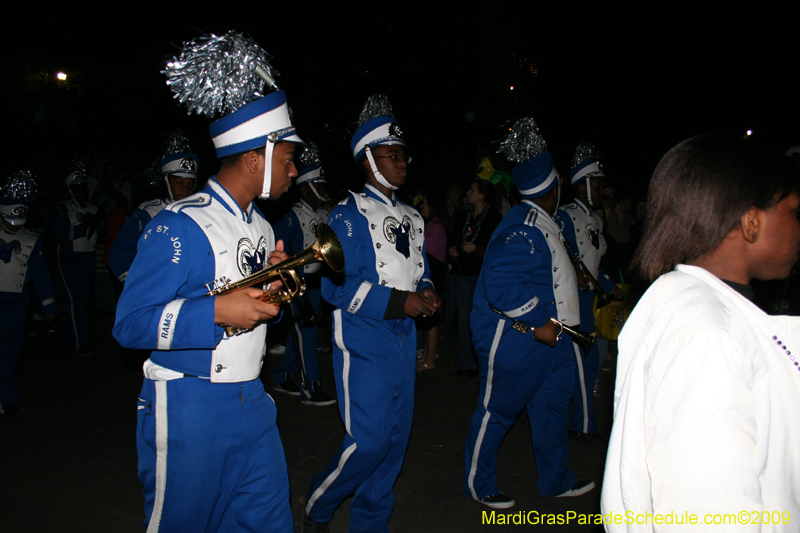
<point x="164" y="306"/>
<point x="522" y="275"/>
<point x="124" y="248"/>
<point x="366" y="225"/>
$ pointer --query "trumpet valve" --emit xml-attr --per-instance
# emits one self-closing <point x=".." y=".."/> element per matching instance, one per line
<point x="218" y="285"/>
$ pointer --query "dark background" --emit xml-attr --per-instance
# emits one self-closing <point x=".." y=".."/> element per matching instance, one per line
<point x="634" y="81"/>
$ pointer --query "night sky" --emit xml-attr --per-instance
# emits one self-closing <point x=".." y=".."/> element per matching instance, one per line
<point x="632" y="81"/>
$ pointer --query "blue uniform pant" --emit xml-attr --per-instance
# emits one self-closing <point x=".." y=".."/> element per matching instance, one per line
<point x="13" y="313"/>
<point x="586" y="369"/>
<point x="374" y="364"/>
<point x="77" y="273"/>
<point x="516" y="373"/>
<point x="306" y="352"/>
<point x="210" y="457"/>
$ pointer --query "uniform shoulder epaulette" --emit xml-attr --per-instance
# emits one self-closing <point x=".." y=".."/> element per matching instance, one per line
<point x="530" y="218"/>
<point x="150" y="203"/>
<point x="199" y="199"/>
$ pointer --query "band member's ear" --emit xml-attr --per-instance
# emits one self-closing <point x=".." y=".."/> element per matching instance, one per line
<point x="751" y="224"/>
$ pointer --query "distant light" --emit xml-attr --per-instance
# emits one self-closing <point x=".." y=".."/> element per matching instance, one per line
<point x="61" y="76"/>
<point x="749" y="132"/>
<point x="512" y="87"/>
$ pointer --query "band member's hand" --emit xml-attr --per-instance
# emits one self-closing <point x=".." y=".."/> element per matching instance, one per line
<point x="453" y="251"/>
<point x="431" y="297"/>
<point x="547" y="334"/>
<point x="468" y="247"/>
<point x="242" y="309"/>
<point x="277" y="255"/>
<point x="583" y="280"/>
<point x="618" y="294"/>
<point x="417" y="305"/>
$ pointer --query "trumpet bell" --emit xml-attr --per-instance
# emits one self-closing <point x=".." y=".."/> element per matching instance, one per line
<point x="326" y="249"/>
<point x="330" y="249"/>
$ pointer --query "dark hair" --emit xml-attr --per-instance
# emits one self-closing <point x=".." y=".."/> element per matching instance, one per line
<point x="230" y="160"/>
<point x="486" y="188"/>
<point x="699" y="192"/>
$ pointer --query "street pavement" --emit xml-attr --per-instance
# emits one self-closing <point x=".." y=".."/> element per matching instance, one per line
<point x="69" y="462"/>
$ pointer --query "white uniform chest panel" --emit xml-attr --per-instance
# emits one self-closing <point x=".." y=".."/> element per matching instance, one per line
<point x="76" y="216"/>
<point x="17" y="249"/>
<point x="565" y="283"/>
<point x="238" y="249"/>
<point x="384" y="221"/>
<point x="589" y="236"/>
<point x="309" y="221"/>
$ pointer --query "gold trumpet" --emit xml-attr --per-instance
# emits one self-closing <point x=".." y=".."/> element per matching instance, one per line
<point x="582" y="339"/>
<point x="327" y="249"/>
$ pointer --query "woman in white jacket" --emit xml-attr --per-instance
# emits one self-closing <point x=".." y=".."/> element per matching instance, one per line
<point x="707" y="400"/>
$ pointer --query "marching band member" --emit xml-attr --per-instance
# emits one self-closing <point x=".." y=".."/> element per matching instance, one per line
<point x="527" y="276"/>
<point x="298" y="230"/>
<point x="386" y="283"/>
<point x="210" y="456"/>
<point x="583" y="229"/>
<point x="75" y="232"/>
<point x="21" y="261"/>
<point x="178" y="169"/>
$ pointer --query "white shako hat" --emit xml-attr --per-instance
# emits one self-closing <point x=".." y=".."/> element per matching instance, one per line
<point x="16" y="193"/>
<point x="227" y="75"/>
<point x="534" y="174"/>
<point x="585" y="164"/>
<point x="310" y="166"/>
<point x="178" y="159"/>
<point x="376" y="127"/>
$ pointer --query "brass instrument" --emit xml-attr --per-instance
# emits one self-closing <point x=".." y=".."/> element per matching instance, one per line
<point x="581" y="338"/>
<point x="326" y="249"/>
<point x="603" y="298"/>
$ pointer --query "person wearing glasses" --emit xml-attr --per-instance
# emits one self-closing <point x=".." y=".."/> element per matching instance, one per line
<point x="385" y="284"/>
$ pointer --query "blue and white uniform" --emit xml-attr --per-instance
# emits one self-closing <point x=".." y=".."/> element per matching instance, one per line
<point x="526" y="274"/>
<point x="298" y="230"/>
<point x="21" y="261"/>
<point x="210" y="456"/>
<point x="124" y="248"/>
<point x="583" y="228"/>
<point x="374" y="357"/>
<point x="76" y="261"/>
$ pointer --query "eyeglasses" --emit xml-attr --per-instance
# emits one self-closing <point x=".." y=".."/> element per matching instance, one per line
<point x="395" y="158"/>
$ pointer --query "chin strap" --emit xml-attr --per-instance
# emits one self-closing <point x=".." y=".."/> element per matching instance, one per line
<point x="376" y="172"/>
<point x="558" y="195"/>
<point x="323" y="199"/>
<point x="589" y="192"/>
<point x="268" y="167"/>
<point x="169" y="189"/>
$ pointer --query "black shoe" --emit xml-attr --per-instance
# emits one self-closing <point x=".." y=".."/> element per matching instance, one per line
<point x="460" y="372"/>
<point x="310" y="526"/>
<point x="498" y="501"/>
<point x="579" y="489"/>
<point x="472" y="373"/>
<point x="319" y="398"/>
<point x="287" y="387"/>
<point x="595" y="439"/>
